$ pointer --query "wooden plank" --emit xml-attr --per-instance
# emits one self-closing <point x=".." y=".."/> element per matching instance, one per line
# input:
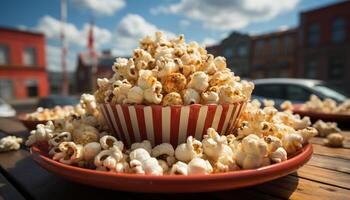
<point x="332" y="163"/>
<point x="333" y="152"/>
<point x="9" y="125"/>
<point x="8" y="191"/>
<point x="325" y="176"/>
<point x="292" y="187"/>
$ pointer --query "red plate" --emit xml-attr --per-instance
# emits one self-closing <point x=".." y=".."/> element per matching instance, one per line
<point x="173" y="183"/>
<point x="339" y="118"/>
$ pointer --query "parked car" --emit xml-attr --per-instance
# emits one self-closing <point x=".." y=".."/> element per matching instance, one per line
<point x="6" y="109"/>
<point x="295" y="90"/>
<point x="56" y="100"/>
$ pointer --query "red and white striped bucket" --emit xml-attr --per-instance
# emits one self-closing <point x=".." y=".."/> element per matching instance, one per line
<point x="172" y="124"/>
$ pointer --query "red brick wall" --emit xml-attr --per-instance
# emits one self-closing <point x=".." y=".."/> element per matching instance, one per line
<point x="16" y="71"/>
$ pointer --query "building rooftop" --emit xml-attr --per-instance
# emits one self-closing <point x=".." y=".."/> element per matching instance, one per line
<point x="12" y="29"/>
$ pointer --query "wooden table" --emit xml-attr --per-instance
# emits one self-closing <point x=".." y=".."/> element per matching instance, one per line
<point x="325" y="176"/>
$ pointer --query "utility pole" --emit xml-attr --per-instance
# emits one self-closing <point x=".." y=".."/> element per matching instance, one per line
<point x="64" y="45"/>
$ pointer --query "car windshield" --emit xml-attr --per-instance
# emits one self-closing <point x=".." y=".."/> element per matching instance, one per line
<point x="331" y="93"/>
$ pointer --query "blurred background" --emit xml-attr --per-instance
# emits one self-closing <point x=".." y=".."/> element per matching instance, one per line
<point x="51" y="51"/>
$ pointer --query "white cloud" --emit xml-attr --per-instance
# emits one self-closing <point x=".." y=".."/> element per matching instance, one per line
<point x="51" y="27"/>
<point x="130" y="30"/>
<point x="102" y="7"/>
<point x="208" y="42"/>
<point x="184" y="23"/>
<point x="228" y="14"/>
<point x="53" y="59"/>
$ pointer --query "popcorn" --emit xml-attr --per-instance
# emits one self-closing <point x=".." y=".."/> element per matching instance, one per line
<point x="164" y="151"/>
<point x="334" y="140"/>
<point x="160" y="67"/>
<point x="315" y="104"/>
<point x="215" y="145"/>
<point x="326" y="128"/>
<point x="275" y="150"/>
<point x="153" y="94"/>
<point x="146" y="145"/>
<point x="172" y="98"/>
<point x="307" y="134"/>
<point x="146" y="79"/>
<point x="174" y="82"/>
<point x="190" y="96"/>
<point x="292" y="142"/>
<point x="251" y="152"/>
<point x="145" y="163"/>
<point x="135" y="95"/>
<point x="84" y="134"/>
<point x="10" y="143"/>
<point x="225" y="163"/>
<point x="185" y="152"/>
<point x="139" y="154"/>
<point x="59" y="138"/>
<point x="108" y="142"/>
<point x="179" y="168"/>
<point x="42" y="133"/>
<point x="152" y="167"/>
<point x="199" y="81"/>
<point x="286" y="105"/>
<point x="70" y="153"/>
<point x="199" y="166"/>
<point x="112" y="160"/>
<point x="91" y="150"/>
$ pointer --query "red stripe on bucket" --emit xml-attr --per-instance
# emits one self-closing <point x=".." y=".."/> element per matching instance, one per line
<point x="192" y="120"/>
<point x="157" y="123"/>
<point x="120" y="129"/>
<point x="174" y="124"/>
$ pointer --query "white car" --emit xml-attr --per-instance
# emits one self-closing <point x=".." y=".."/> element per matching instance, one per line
<point x="295" y="90"/>
<point x="6" y="110"/>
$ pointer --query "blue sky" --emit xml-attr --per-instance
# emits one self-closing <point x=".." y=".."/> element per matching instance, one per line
<point x="119" y="24"/>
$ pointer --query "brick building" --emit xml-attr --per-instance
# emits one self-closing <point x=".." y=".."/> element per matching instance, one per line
<point x="22" y="64"/>
<point x="274" y="54"/>
<point x="236" y="49"/>
<point x="324" y="44"/>
<point x="83" y="74"/>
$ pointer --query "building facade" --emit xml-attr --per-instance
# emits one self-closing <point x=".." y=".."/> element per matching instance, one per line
<point x="22" y="64"/>
<point x="236" y="49"/>
<point x="324" y="44"/>
<point x="83" y="74"/>
<point x="274" y="54"/>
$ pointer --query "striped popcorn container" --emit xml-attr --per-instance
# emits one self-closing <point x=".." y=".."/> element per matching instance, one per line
<point x="171" y="124"/>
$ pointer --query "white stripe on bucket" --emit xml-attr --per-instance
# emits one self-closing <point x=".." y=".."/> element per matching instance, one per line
<point x="201" y="121"/>
<point x="123" y="123"/>
<point x="134" y="122"/>
<point x="114" y="123"/>
<point x="216" y="119"/>
<point x="149" y="124"/>
<point x="185" y="113"/>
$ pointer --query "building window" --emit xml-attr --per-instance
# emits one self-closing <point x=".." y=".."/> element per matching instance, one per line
<point x="338" y="30"/>
<point x="314" y="34"/>
<point x="4" y="54"/>
<point x="259" y="48"/>
<point x="6" y="88"/>
<point x="32" y="88"/>
<point x="242" y="51"/>
<point x="274" y="46"/>
<point x="288" y="44"/>
<point x="29" y="56"/>
<point x="228" y="52"/>
<point x="336" y="68"/>
<point x="311" y="69"/>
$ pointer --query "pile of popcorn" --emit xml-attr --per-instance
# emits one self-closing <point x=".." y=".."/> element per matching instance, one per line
<point x="327" y="106"/>
<point x="265" y="136"/>
<point x="172" y="72"/>
<point x="58" y="112"/>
